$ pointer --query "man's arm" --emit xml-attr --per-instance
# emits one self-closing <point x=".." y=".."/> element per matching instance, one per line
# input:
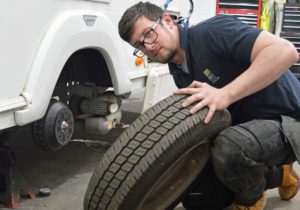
<point x="270" y="57"/>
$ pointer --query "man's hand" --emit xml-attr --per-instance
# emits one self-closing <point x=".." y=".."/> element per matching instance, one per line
<point x="205" y="95"/>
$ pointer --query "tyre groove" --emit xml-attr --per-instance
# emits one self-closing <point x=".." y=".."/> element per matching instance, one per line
<point x="152" y="134"/>
<point x="145" y="120"/>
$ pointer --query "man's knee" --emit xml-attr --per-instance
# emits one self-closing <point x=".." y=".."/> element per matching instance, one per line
<point x="231" y="155"/>
<point x="232" y="150"/>
<point x="225" y="152"/>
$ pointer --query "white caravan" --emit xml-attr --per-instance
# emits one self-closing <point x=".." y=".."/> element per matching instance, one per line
<point x="63" y="61"/>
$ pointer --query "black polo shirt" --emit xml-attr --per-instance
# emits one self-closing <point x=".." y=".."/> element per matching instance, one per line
<point x="217" y="51"/>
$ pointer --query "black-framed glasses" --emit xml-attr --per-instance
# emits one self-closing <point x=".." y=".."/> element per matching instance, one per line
<point x="149" y="38"/>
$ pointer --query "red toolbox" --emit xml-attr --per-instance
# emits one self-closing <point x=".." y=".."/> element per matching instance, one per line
<point x="248" y="11"/>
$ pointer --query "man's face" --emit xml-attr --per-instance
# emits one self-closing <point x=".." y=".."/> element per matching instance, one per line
<point x="154" y="38"/>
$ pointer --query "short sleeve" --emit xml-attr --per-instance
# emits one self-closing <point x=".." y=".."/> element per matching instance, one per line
<point x="228" y="37"/>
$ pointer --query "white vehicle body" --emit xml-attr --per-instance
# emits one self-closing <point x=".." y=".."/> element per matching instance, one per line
<point x="39" y="38"/>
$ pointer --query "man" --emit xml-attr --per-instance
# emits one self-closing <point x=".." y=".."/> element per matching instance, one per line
<point x="225" y="64"/>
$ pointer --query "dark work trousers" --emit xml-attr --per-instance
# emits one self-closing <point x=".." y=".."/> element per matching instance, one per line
<point x="247" y="158"/>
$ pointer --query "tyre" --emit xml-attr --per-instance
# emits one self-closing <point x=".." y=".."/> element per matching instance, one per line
<point x="154" y="160"/>
<point x="55" y="129"/>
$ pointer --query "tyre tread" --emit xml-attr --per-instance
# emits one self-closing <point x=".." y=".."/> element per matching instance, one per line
<point x="137" y="148"/>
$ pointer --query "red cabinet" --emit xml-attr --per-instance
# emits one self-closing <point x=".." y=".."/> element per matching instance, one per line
<point x="248" y="11"/>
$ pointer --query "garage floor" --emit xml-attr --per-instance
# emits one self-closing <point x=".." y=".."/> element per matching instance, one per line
<point x="67" y="172"/>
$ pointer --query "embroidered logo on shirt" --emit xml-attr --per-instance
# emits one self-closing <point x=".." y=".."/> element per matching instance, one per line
<point x="213" y="78"/>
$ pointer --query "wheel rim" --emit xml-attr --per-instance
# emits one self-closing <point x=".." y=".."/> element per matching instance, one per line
<point x="176" y="179"/>
<point x="64" y="127"/>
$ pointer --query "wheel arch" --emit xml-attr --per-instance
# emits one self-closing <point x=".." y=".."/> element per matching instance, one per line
<point x="87" y="65"/>
<point x="68" y="35"/>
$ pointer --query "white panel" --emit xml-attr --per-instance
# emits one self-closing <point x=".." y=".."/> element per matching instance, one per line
<point x="12" y="103"/>
<point x="7" y="120"/>
<point x="203" y="9"/>
<point x="160" y="84"/>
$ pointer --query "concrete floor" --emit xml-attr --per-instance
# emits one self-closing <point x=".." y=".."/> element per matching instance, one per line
<point x="67" y="172"/>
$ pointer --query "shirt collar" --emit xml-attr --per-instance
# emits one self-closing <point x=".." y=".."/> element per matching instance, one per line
<point x="184" y="36"/>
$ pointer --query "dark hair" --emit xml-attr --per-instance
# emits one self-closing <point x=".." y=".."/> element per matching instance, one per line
<point x="132" y="14"/>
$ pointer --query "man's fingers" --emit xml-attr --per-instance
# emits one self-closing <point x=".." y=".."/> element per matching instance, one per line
<point x="193" y="84"/>
<point x="210" y="114"/>
<point x="192" y="99"/>
<point x="198" y="107"/>
<point x="188" y="91"/>
<point x="196" y="84"/>
<point x="181" y="91"/>
<point x="191" y="89"/>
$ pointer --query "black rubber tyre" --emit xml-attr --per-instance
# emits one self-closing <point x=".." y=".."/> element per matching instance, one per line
<point x="50" y="134"/>
<point x="154" y="160"/>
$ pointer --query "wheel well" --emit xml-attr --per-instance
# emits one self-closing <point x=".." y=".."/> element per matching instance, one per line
<point x="87" y="65"/>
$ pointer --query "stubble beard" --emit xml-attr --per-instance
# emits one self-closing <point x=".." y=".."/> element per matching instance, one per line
<point x="168" y="56"/>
